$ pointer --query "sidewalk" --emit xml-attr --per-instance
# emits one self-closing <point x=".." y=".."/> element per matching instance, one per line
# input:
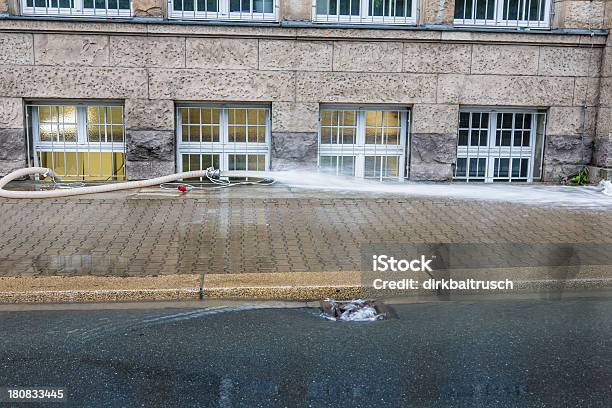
<point x="222" y="234"/>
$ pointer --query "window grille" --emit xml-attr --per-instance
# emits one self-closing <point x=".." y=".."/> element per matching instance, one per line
<point x="365" y="11"/>
<point x="502" y="145"/>
<point x="78" y="8"/>
<point x="263" y="10"/>
<point x="79" y="142"/>
<point x="363" y="142"/>
<point x="226" y="137"/>
<point x="503" y="13"/>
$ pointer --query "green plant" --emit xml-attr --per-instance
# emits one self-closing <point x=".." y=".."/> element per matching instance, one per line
<point x="581" y="178"/>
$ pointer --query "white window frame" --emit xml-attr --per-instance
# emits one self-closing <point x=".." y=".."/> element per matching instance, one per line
<point x="224" y="148"/>
<point x="363" y="17"/>
<point x="498" y="16"/>
<point x="81" y="145"/>
<point x="77" y="11"/>
<point x="223" y="13"/>
<point x="360" y="149"/>
<point x="490" y="152"/>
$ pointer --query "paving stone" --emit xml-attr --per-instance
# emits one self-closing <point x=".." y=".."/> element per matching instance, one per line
<point x="122" y="237"/>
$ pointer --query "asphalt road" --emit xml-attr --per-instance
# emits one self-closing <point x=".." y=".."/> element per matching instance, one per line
<point x="486" y="354"/>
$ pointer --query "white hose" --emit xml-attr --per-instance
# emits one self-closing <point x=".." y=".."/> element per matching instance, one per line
<point x="103" y="188"/>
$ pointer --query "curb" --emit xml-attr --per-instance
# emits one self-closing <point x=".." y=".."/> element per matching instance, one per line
<point x="294" y="286"/>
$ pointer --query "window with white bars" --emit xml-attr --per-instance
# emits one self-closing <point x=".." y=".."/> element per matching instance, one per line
<point x="78" y="8"/>
<point x="502" y="145"/>
<point x="365" y="142"/>
<point x="78" y="141"/>
<point x="262" y="10"/>
<point x="503" y="13"/>
<point x="226" y="137"/>
<point x="365" y="11"/>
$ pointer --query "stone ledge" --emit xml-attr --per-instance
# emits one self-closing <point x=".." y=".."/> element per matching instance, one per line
<point x="568" y="37"/>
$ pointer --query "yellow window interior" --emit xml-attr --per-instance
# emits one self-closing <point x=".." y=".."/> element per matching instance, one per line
<point x="85" y="166"/>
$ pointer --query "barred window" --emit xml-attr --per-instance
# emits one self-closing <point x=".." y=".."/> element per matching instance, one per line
<point x="78" y="141"/>
<point x="504" y="13"/>
<point x="264" y="10"/>
<point x="366" y="142"/>
<point x="501" y="145"/>
<point x="365" y="11"/>
<point x="78" y="8"/>
<point x="226" y="137"/>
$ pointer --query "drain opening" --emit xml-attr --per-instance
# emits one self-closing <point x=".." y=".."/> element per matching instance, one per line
<point x="356" y="310"/>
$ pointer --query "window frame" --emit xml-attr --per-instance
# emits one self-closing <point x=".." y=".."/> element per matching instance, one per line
<point x="363" y="17"/>
<point x="360" y="150"/>
<point x="82" y="144"/>
<point x="77" y="11"/>
<point x="224" y="148"/>
<point x="498" y="17"/>
<point x="491" y="152"/>
<point x="223" y="13"/>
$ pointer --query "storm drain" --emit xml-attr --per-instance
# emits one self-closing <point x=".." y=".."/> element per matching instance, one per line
<point x="357" y="310"/>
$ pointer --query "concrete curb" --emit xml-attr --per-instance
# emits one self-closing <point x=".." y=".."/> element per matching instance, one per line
<point x="295" y="286"/>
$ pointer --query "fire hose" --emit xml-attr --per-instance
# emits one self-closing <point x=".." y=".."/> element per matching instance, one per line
<point x="213" y="175"/>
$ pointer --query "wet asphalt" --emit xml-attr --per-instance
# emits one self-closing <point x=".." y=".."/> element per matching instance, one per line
<point x="502" y="353"/>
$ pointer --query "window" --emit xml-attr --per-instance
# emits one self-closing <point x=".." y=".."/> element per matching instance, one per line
<point x="363" y="142"/>
<point x="103" y="8"/>
<point x="505" y="13"/>
<point x="224" y="137"/>
<point x="501" y="145"/>
<point x="365" y="11"/>
<point x="78" y="141"/>
<point x="223" y="9"/>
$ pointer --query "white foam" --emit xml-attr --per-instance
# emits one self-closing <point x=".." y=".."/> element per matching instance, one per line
<point x="535" y="194"/>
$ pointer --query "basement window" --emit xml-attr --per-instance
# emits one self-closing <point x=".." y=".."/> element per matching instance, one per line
<point x="365" y="142"/>
<point x="365" y="11"/>
<point x="78" y="8"/>
<point x="500" y="145"/>
<point x="226" y="137"/>
<point x="258" y="10"/>
<point x="78" y="141"/>
<point x="503" y="13"/>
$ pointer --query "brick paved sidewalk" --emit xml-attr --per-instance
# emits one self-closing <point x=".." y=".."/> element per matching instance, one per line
<point x="126" y="235"/>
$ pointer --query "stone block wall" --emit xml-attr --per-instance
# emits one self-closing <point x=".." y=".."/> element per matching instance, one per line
<point x="602" y="153"/>
<point x="13" y="152"/>
<point x="151" y="67"/>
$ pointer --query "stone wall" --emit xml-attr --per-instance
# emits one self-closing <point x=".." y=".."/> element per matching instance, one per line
<point x="152" y="66"/>
<point x="12" y="135"/>
<point x="602" y="154"/>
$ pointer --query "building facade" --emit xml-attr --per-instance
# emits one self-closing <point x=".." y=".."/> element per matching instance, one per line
<point x="478" y="90"/>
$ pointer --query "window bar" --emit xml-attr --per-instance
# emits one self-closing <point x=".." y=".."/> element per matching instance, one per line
<point x="507" y="16"/>
<point x="512" y="147"/>
<point x="76" y="144"/>
<point x="59" y="108"/>
<point x="528" y="9"/>
<point x="469" y="144"/>
<point x="518" y="13"/>
<point x="480" y="115"/>
<point x="112" y="141"/>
